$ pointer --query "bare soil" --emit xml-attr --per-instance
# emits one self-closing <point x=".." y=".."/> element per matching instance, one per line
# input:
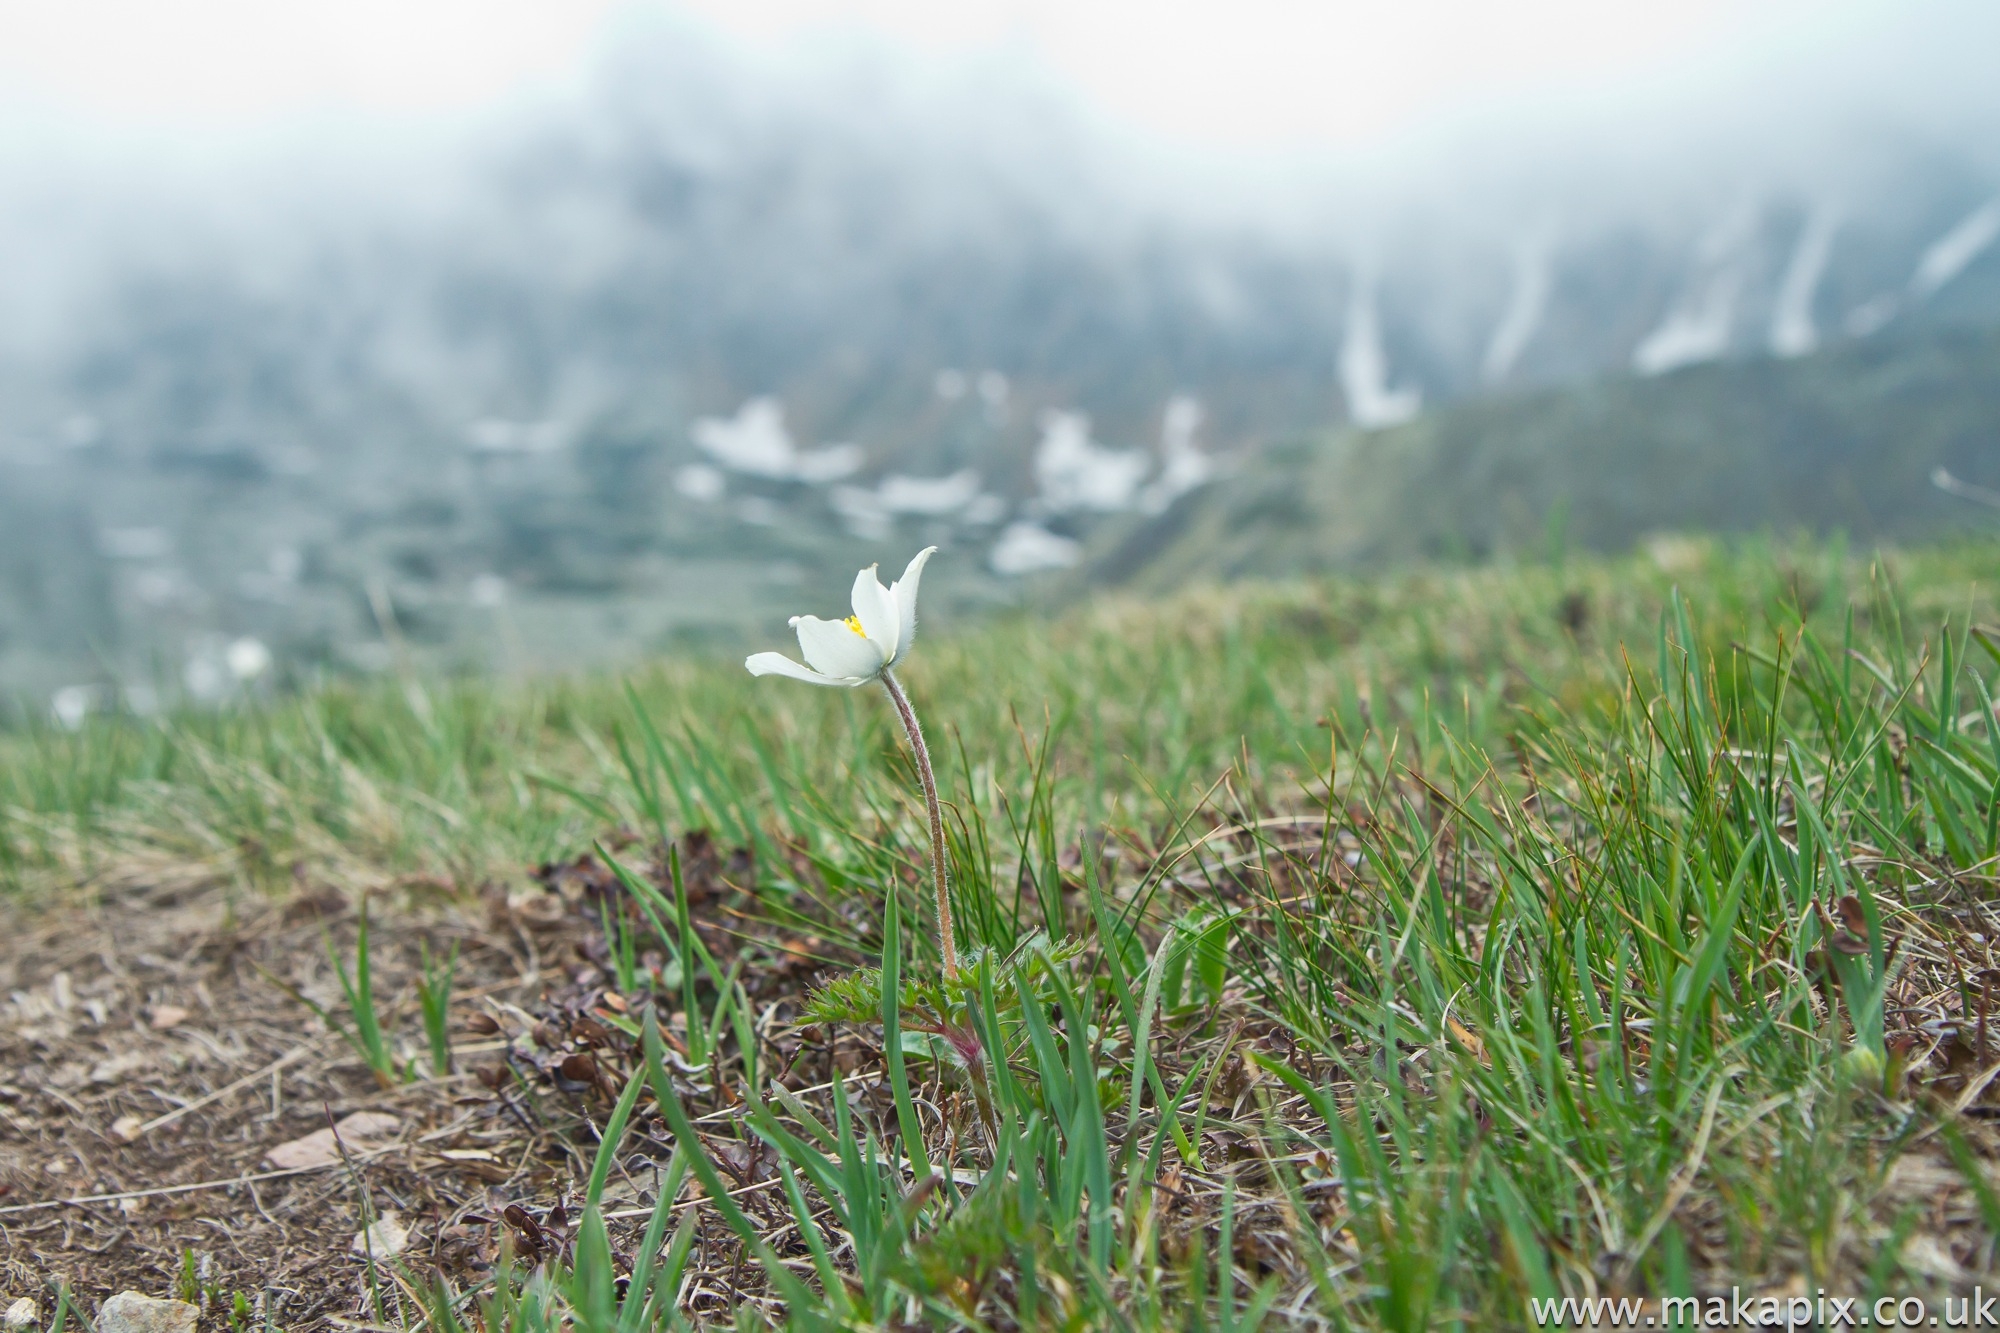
<point x="159" y="1042"/>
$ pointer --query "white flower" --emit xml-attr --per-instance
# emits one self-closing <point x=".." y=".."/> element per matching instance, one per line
<point x="865" y="647"/>
<point x="860" y="648"/>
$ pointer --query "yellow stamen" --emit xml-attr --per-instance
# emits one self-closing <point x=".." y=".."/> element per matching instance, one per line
<point x="854" y="623"/>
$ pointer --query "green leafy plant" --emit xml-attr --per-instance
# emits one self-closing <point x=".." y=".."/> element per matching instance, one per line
<point x="434" y="997"/>
<point x="359" y="988"/>
<point x="581" y="1290"/>
<point x="621" y="942"/>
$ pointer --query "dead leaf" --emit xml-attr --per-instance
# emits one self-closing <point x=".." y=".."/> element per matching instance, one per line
<point x="382" y="1240"/>
<point x="302" y="1154"/>
<point x="1234" y="1080"/>
<point x="361" y="1131"/>
<point x="165" y="1016"/>
<point x="533" y="1239"/>
<point x="1467" y="1038"/>
<point x="127" y="1128"/>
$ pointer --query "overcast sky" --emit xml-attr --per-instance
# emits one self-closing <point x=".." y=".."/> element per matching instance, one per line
<point x="1234" y="74"/>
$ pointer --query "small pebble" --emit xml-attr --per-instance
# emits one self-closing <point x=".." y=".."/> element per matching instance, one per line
<point x="129" y="1312"/>
<point x="23" y="1313"/>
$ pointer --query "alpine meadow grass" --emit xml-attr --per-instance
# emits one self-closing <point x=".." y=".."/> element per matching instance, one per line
<point x="1373" y="953"/>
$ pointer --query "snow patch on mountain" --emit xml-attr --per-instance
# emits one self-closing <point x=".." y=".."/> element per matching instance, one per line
<point x="1952" y="253"/>
<point x="1183" y="465"/>
<point x="1871" y="315"/>
<point x="756" y="443"/>
<point x="1698" y="331"/>
<point x="1699" y="326"/>
<point x="871" y="512"/>
<point x="701" y="483"/>
<point x="1942" y="261"/>
<point x="1073" y="471"/>
<point x="1025" y="548"/>
<point x="928" y="495"/>
<point x="1793" y="332"/>
<point x="1526" y="306"/>
<point x="1364" y="368"/>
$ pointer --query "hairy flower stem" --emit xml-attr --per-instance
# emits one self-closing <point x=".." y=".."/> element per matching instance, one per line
<point x="916" y="734"/>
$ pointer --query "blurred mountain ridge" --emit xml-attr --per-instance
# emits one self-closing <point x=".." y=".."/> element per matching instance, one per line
<point x="1881" y="441"/>
<point x="482" y="424"/>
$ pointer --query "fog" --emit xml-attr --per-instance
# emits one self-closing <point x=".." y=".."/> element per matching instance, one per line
<point x="632" y="348"/>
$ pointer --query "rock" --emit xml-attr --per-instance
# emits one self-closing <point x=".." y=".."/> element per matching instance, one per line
<point x="129" y="1312"/>
<point x="384" y="1239"/>
<point x="23" y="1313"/>
<point x="127" y="1128"/>
<point x="360" y="1131"/>
<point x="168" y="1015"/>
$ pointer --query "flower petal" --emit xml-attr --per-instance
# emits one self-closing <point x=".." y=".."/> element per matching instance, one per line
<point x="904" y="595"/>
<point x="876" y="611"/>
<point x="832" y="648"/>
<point x="777" y="664"/>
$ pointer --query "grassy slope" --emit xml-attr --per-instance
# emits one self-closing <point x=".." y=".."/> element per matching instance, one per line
<point x="1843" y="441"/>
<point x="1553" y="983"/>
